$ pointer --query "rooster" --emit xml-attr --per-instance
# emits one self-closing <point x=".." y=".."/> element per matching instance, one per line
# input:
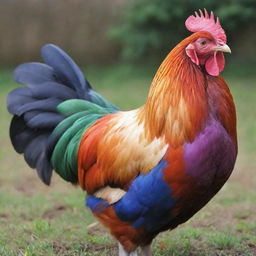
<point x="146" y="170"/>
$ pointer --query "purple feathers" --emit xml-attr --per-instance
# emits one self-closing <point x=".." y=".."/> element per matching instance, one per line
<point x="211" y="155"/>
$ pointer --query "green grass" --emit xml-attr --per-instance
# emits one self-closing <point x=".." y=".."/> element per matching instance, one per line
<point x="39" y="220"/>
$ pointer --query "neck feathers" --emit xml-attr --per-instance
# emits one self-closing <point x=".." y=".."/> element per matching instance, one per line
<point x="176" y="108"/>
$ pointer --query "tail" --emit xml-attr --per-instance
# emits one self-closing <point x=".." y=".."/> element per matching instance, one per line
<point x="52" y="112"/>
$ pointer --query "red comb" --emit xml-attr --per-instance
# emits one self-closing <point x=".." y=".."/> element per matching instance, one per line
<point x="204" y="22"/>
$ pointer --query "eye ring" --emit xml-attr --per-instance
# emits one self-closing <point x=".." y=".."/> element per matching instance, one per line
<point x="203" y="42"/>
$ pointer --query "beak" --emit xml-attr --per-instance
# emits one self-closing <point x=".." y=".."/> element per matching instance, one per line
<point x="222" y="48"/>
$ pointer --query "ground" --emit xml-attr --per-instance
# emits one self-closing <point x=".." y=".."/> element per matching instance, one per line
<point x="40" y="220"/>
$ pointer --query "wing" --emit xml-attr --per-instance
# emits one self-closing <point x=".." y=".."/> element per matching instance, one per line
<point x="115" y="150"/>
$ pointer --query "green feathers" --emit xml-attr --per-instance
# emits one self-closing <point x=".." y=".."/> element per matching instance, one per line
<point x="81" y="115"/>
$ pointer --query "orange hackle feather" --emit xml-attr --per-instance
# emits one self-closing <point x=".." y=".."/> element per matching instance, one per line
<point x="176" y="108"/>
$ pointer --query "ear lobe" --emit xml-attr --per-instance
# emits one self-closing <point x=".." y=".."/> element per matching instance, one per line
<point x="191" y="52"/>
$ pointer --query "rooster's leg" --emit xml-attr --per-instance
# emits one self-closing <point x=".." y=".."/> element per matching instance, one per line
<point x="123" y="252"/>
<point x="146" y="250"/>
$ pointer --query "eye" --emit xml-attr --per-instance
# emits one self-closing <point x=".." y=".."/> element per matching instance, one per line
<point x="203" y="42"/>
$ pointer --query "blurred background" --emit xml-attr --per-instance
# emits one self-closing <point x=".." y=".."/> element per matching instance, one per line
<point x="119" y="44"/>
<point x="101" y="32"/>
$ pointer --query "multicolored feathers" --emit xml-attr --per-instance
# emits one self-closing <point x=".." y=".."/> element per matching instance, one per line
<point x="66" y="137"/>
<point x="115" y="150"/>
<point x="145" y="170"/>
<point x="37" y="111"/>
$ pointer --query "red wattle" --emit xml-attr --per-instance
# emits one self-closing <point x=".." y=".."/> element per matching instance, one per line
<point x="215" y="64"/>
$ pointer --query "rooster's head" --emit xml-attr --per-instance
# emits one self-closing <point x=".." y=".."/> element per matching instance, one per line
<point x="208" y="50"/>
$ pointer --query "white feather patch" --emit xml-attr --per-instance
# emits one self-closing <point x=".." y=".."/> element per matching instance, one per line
<point x="111" y="195"/>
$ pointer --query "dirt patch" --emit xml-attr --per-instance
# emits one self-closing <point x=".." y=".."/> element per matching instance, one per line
<point x="4" y="216"/>
<point x="96" y="229"/>
<point x="252" y="245"/>
<point x="101" y="247"/>
<point x="25" y="217"/>
<point x="55" y="212"/>
<point x="60" y="247"/>
<point x="27" y="186"/>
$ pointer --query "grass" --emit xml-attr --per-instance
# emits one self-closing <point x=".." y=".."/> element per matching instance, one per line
<point x="39" y="220"/>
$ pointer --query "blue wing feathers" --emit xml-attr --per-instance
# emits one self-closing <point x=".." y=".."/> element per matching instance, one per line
<point x="96" y="205"/>
<point x="147" y="203"/>
<point x="148" y="198"/>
